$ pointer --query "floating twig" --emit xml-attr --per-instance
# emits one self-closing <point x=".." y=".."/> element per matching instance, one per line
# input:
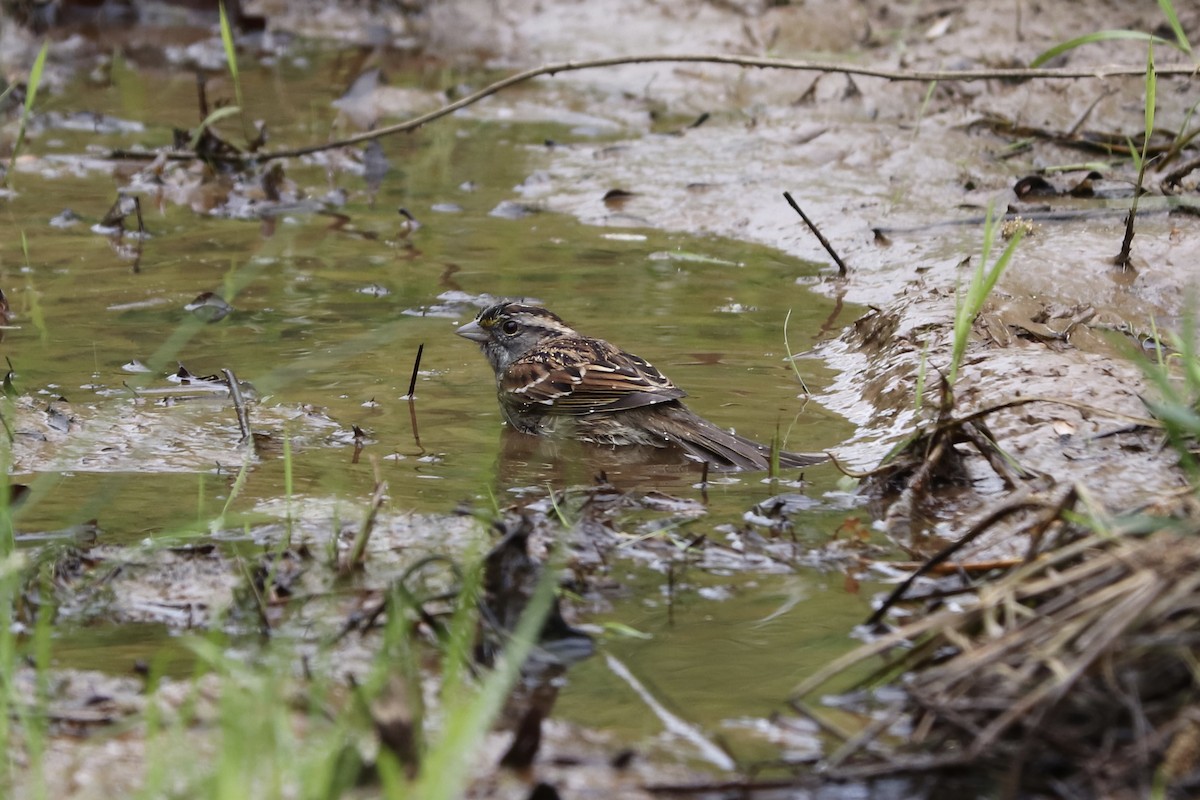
<point x="816" y="232"/>
<point x="401" y="594"/>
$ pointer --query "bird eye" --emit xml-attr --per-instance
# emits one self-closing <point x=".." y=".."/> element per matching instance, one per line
<point x="510" y="327"/>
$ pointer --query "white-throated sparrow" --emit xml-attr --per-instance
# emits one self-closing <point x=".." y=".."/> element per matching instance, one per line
<point x="553" y="380"/>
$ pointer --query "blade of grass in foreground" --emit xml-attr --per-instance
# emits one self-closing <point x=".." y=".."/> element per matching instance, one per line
<point x="466" y="721"/>
<point x="35" y="79"/>
<point x="983" y="280"/>
<point x="231" y="61"/>
<point x="1092" y="38"/>
<point x="1181" y="39"/>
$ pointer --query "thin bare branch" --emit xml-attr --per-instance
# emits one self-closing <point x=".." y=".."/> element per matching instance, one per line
<point x="924" y="76"/>
<point x="817" y="232"/>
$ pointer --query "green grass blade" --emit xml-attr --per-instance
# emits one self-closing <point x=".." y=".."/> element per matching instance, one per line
<point x="1092" y="38"/>
<point x="231" y="61"/>
<point x="1135" y="155"/>
<point x="791" y="357"/>
<point x="1151" y="96"/>
<point x="35" y="79"/>
<point x="216" y="116"/>
<point x="983" y="281"/>
<point x="989" y="236"/>
<point x="1181" y="40"/>
<point x="1001" y="264"/>
<point x="443" y="776"/>
<point x="230" y="51"/>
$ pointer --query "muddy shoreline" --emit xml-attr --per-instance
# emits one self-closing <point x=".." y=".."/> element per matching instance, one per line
<point x="900" y="183"/>
<point x="897" y="175"/>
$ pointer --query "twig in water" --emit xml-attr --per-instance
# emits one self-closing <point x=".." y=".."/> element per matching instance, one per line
<point x="412" y="418"/>
<point x="1019" y="503"/>
<point x="816" y="232"/>
<point x="412" y="382"/>
<point x="674" y="725"/>
<point x="239" y="404"/>
<point x="1123" y="257"/>
<point x="412" y="395"/>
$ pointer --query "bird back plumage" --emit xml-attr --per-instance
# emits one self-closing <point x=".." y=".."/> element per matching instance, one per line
<point x="553" y="381"/>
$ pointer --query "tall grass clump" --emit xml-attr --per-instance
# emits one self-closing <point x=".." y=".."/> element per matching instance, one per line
<point x="1177" y="379"/>
<point x="280" y="718"/>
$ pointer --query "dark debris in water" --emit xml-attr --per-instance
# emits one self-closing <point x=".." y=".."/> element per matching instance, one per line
<point x="210" y="307"/>
<point x="284" y="581"/>
<point x="194" y="425"/>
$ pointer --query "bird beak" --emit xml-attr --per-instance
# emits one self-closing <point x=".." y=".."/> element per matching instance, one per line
<point x="474" y="332"/>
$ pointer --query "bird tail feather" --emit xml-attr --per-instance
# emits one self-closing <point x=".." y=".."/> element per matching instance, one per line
<point x="725" y="450"/>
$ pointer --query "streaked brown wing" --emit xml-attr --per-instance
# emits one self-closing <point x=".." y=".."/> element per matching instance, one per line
<point x="578" y="376"/>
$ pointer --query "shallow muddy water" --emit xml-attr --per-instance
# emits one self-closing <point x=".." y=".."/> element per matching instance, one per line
<point x="722" y="655"/>
<point x="332" y="318"/>
<point x="330" y="303"/>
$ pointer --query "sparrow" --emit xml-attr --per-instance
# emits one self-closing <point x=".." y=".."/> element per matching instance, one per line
<point x="554" y="381"/>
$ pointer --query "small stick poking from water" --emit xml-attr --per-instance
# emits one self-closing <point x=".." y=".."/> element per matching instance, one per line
<point x="412" y="382"/>
<point x="1122" y="258"/>
<point x="412" y="418"/>
<point x="842" y="269"/>
<point x="239" y="404"/>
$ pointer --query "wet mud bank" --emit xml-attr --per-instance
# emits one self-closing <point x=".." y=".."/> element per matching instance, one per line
<point x="1046" y="419"/>
<point x="898" y="176"/>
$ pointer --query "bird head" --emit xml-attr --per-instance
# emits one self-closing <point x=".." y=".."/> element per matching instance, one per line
<point x="509" y="330"/>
